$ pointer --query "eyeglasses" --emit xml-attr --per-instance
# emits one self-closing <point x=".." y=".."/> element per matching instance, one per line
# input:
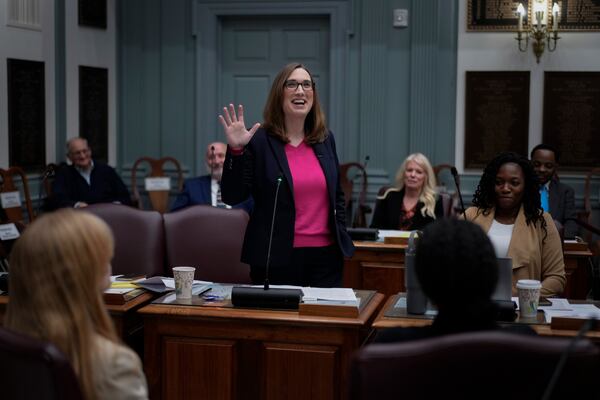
<point x="291" y="84"/>
<point x="78" y="152"/>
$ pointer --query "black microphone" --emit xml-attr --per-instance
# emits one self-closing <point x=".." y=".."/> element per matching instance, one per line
<point x="358" y="173"/>
<point x="265" y="297"/>
<point x="587" y="325"/>
<point x="48" y="172"/>
<point x="211" y="163"/>
<point x="462" y="204"/>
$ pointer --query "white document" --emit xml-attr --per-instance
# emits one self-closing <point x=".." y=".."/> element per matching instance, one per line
<point x="10" y="199"/>
<point x="157" y="184"/>
<point x="9" y="232"/>
<point x="329" y="294"/>
<point x="562" y="308"/>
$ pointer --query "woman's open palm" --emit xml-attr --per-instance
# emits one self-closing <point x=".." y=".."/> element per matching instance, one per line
<point x="235" y="128"/>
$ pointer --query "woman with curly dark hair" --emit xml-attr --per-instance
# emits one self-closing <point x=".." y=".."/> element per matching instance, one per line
<point x="507" y="207"/>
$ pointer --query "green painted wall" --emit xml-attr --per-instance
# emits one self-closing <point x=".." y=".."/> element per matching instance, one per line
<point x="399" y="94"/>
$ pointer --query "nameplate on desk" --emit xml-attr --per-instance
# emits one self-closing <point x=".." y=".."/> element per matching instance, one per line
<point x="573" y="324"/>
<point x="157" y="184"/>
<point x="8" y="232"/>
<point x="10" y="199"/>
<point x="574" y="245"/>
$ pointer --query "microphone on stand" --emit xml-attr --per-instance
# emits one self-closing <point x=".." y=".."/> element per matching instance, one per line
<point x="462" y="204"/>
<point x="265" y="297"/>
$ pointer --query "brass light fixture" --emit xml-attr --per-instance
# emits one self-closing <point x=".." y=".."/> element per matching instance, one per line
<point x="539" y="30"/>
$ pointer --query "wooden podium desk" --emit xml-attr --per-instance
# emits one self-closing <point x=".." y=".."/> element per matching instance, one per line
<point x="379" y="266"/>
<point x="543" y="329"/>
<point x="218" y="352"/>
<point x="376" y="266"/>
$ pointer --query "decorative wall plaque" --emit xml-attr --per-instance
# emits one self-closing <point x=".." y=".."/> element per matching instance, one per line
<point x="93" y="109"/>
<point x="92" y="13"/>
<point x="496" y="115"/>
<point x="572" y="117"/>
<point x="579" y="15"/>
<point x="494" y="15"/>
<point x="26" y="114"/>
<point x="501" y="15"/>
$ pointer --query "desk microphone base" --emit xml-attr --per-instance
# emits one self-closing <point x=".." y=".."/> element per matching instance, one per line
<point x="257" y="297"/>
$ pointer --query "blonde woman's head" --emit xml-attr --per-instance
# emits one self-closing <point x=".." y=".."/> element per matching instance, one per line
<point x="58" y="270"/>
<point x="417" y="173"/>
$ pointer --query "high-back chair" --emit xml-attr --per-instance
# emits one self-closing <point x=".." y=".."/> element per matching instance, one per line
<point x="139" y="238"/>
<point x="210" y="239"/>
<point x="355" y="219"/>
<point x="586" y="215"/>
<point x="8" y="186"/>
<point x="32" y="369"/>
<point x="443" y="175"/>
<point x="486" y="364"/>
<point x="159" y="199"/>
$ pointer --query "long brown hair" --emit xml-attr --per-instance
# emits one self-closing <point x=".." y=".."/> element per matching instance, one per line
<point x="57" y="268"/>
<point x="315" y="130"/>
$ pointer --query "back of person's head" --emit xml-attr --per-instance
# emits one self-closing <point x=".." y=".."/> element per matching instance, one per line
<point x="456" y="263"/>
<point x="59" y="268"/>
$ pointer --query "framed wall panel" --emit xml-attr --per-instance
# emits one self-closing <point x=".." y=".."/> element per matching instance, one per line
<point x="496" y="115"/>
<point x="26" y="114"/>
<point x="93" y="109"/>
<point x="572" y="117"/>
<point x="494" y="15"/>
<point x="92" y="13"/>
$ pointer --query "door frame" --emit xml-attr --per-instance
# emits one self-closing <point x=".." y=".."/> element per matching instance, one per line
<point x="206" y="28"/>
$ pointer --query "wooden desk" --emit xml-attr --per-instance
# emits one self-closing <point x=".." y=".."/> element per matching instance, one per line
<point x="127" y="322"/>
<point x="229" y="353"/>
<point x="376" y="266"/>
<point x="379" y="266"/>
<point x="382" y="322"/>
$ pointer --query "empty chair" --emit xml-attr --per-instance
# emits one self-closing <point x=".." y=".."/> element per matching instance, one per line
<point x="210" y="239"/>
<point x="13" y="197"/>
<point x="354" y="219"/>
<point x="485" y="364"/>
<point x="159" y="199"/>
<point x="32" y="369"/>
<point x="139" y="238"/>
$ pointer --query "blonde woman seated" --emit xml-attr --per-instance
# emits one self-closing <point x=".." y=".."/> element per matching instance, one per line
<point x="59" y="268"/>
<point x="412" y="204"/>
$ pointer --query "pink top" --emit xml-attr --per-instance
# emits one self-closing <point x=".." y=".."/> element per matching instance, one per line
<point x="310" y="197"/>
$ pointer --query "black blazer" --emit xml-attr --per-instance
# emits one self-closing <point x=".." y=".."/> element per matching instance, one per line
<point x="256" y="173"/>
<point x="561" y="199"/>
<point x="387" y="212"/>
<point x="105" y="186"/>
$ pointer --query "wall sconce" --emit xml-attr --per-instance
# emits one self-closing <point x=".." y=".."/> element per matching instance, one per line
<point x="540" y="31"/>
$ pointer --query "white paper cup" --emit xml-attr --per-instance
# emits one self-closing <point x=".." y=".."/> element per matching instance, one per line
<point x="529" y="297"/>
<point x="184" y="278"/>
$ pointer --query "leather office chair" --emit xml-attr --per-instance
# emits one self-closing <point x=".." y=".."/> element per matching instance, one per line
<point x="139" y="238"/>
<point x="32" y="369"/>
<point x="210" y="239"/>
<point x="451" y="202"/>
<point x="7" y="184"/>
<point x="586" y="215"/>
<point x="356" y="219"/>
<point x="486" y="364"/>
<point x="159" y="199"/>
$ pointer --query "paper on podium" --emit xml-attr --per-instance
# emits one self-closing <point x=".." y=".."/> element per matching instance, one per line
<point x="160" y="284"/>
<point x="312" y="294"/>
<point x="562" y="308"/>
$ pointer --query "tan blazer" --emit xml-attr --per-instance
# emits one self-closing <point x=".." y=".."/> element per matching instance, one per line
<point x="532" y="256"/>
<point x="118" y="373"/>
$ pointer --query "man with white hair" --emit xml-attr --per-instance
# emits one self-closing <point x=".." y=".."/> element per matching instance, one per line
<point x="86" y="181"/>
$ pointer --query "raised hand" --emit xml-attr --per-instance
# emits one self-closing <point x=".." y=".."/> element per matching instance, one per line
<point x="235" y="128"/>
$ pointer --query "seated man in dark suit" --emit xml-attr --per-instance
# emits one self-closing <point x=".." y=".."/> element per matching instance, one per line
<point x="557" y="198"/>
<point x="86" y="181"/>
<point x="457" y="269"/>
<point x="206" y="189"/>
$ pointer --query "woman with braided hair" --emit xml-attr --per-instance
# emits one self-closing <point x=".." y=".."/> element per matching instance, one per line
<point x="507" y="206"/>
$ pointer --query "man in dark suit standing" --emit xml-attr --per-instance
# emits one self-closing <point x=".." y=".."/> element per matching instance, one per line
<point x="557" y="198"/>
<point x="86" y="181"/>
<point x="206" y="189"/>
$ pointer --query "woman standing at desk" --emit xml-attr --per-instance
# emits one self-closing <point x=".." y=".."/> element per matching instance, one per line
<point x="507" y="206"/>
<point x="412" y="204"/>
<point x="290" y="163"/>
<point x="59" y="269"/>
